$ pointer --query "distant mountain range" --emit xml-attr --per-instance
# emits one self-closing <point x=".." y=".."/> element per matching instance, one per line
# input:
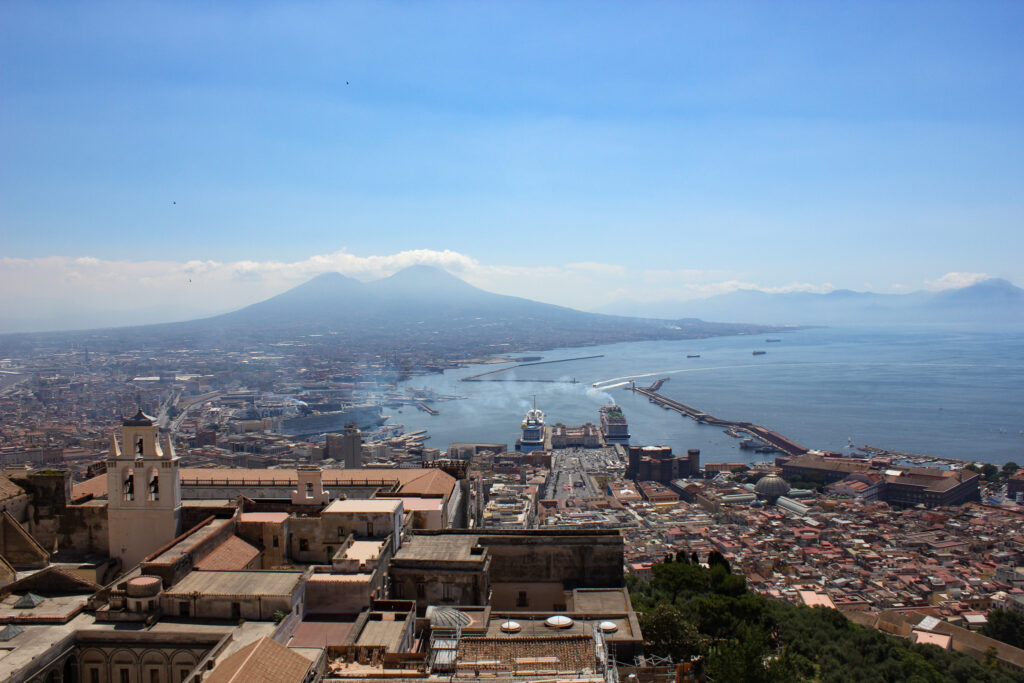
<point x="418" y="308"/>
<point x="992" y="302"/>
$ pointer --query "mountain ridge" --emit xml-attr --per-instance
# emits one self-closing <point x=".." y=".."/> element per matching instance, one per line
<point x="992" y="301"/>
<point x="421" y="309"/>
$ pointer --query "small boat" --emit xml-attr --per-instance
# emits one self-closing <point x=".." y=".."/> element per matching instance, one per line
<point x="760" y="353"/>
<point x="693" y="355"/>
<point x="773" y="340"/>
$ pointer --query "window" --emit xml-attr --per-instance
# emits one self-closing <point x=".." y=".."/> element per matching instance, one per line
<point x="124" y="675"/>
<point x="330" y="553"/>
<point x="421" y="590"/>
<point x="522" y="601"/>
<point x="303" y="545"/>
<point x="129" y="487"/>
<point x="276" y="542"/>
<point x="448" y="591"/>
<point x="236" y="610"/>
<point x="183" y="608"/>
<point x="341" y="531"/>
<point x="369" y="528"/>
<point x="309" y="490"/>
<point x="154" y="488"/>
<point x="154" y="676"/>
<point x="94" y="675"/>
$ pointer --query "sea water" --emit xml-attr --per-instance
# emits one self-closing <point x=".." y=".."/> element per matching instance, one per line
<point x="937" y="391"/>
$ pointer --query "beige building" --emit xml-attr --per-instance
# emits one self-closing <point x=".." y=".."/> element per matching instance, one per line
<point x="144" y="492"/>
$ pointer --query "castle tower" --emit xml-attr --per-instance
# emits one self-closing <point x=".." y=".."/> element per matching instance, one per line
<point x="143" y="491"/>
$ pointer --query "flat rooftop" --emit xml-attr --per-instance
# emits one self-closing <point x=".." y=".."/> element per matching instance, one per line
<point x="311" y="633"/>
<point x="601" y="601"/>
<point x="385" y="633"/>
<point x="448" y="548"/>
<point x="364" y="551"/>
<point x="373" y="505"/>
<point x="226" y="583"/>
<point x="264" y="517"/>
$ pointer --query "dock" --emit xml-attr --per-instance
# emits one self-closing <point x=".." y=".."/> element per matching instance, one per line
<point x="427" y="409"/>
<point x="777" y="441"/>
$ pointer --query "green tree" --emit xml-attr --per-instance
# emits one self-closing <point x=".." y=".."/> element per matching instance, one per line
<point x="667" y="633"/>
<point x="716" y="558"/>
<point x="1009" y="468"/>
<point x="676" y="579"/>
<point x="1005" y="626"/>
<point x="989" y="471"/>
<point x="741" y="659"/>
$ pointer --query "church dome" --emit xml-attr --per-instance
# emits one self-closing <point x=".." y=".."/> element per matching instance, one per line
<point x="771" y="486"/>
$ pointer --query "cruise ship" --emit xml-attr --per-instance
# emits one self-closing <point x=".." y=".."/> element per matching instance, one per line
<point x="364" y="415"/>
<point x="533" y="431"/>
<point x="614" y="425"/>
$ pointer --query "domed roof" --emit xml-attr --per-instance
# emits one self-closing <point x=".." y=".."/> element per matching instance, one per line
<point x="771" y="486"/>
<point x="449" y="617"/>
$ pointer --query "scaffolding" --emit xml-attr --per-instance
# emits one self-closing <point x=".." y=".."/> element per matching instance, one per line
<point x="444" y="649"/>
<point x="605" y="657"/>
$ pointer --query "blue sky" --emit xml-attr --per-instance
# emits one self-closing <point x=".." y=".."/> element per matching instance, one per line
<point x="664" y="150"/>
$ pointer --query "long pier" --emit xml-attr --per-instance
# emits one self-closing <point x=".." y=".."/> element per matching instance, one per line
<point x="476" y="378"/>
<point x="427" y="409"/>
<point x="778" y="441"/>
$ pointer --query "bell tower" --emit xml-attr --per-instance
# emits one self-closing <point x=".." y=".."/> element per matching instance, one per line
<point x="143" y="491"/>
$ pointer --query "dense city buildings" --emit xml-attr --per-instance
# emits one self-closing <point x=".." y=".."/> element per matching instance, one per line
<point x="204" y="539"/>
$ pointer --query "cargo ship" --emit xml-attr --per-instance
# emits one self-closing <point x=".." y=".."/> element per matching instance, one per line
<point x="613" y="424"/>
<point x="533" y="431"/>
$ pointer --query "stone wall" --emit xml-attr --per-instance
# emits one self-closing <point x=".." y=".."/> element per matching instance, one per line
<point x="577" y="559"/>
<point x="338" y="595"/>
<point x="79" y="530"/>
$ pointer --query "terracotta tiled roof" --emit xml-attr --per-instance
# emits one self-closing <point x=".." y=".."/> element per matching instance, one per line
<point x="97" y="487"/>
<point x="561" y="653"/>
<point x="232" y="554"/>
<point x="263" y="660"/>
<point x="428" y="482"/>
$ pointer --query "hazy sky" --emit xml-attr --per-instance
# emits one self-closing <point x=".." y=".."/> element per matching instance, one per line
<point x="570" y="152"/>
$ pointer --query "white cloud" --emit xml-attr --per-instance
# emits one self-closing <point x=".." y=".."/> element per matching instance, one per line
<point x="956" y="280"/>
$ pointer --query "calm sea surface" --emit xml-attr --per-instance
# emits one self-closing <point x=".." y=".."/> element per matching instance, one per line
<point x="939" y="392"/>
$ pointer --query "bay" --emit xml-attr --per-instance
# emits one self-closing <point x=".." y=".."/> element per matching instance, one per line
<point x="939" y="391"/>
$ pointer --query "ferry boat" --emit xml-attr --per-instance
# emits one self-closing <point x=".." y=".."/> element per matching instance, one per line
<point x="533" y="431"/>
<point x="614" y="426"/>
<point x="693" y="355"/>
<point x="760" y="353"/>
